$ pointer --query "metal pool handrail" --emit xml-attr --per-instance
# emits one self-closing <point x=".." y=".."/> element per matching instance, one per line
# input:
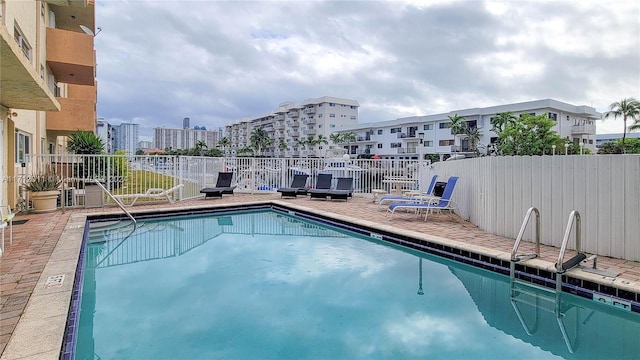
<point x="116" y="201"/>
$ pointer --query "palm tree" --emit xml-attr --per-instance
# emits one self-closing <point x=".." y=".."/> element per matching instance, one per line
<point x="348" y="137"/>
<point x="336" y="138"/>
<point x="458" y="124"/>
<point x="321" y="140"/>
<point x="200" y="144"/>
<point x="282" y="145"/>
<point x="473" y="134"/>
<point x="224" y="142"/>
<point x="501" y="120"/>
<point x="628" y="108"/>
<point x="259" y="139"/>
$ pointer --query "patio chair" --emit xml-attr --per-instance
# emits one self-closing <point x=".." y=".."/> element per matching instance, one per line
<point x="6" y="219"/>
<point x="298" y="186"/>
<point x="442" y="203"/>
<point x="153" y="193"/>
<point x="423" y="197"/>
<point x="343" y="189"/>
<point x="223" y="186"/>
<point x="323" y="184"/>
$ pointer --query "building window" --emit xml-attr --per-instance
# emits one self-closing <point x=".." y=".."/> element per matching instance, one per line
<point x="553" y="116"/>
<point x="446" y="142"/>
<point x="379" y="146"/>
<point x="352" y="117"/>
<point x="332" y="115"/>
<point x="22" y="42"/>
<point x="332" y="104"/>
<point x="320" y="115"/>
<point x="428" y="143"/>
<point x="396" y="130"/>
<point x="396" y="145"/>
<point x="380" y="131"/>
<point x="444" y="125"/>
<point x="353" y="107"/>
<point x="332" y="126"/>
<point x="23" y="146"/>
<point x="427" y="127"/>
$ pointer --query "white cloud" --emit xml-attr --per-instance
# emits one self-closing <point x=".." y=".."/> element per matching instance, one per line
<point x="217" y="62"/>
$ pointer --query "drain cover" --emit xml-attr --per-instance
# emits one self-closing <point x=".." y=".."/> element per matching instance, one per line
<point x="54" y="281"/>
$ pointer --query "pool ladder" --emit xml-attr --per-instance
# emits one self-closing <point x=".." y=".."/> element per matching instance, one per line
<point x="561" y="268"/>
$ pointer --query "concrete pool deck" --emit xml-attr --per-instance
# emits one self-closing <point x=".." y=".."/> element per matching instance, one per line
<point x="47" y="245"/>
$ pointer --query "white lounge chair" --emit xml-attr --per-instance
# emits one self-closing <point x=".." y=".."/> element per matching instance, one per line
<point x="416" y="198"/>
<point x="6" y="219"/>
<point x="153" y="193"/>
<point x="442" y="203"/>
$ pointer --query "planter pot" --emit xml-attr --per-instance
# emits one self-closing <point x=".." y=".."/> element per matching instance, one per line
<point x="45" y="200"/>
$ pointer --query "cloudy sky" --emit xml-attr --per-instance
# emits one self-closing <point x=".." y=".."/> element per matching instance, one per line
<point x="220" y="61"/>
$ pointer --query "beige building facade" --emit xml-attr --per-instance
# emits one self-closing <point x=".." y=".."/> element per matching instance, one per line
<point x="47" y="81"/>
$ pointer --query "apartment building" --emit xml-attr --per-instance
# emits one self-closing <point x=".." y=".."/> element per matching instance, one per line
<point x="165" y="138"/>
<point x="126" y="137"/>
<point x="291" y="124"/>
<point x="47" y="80"/>
<point x="400" y="138"/>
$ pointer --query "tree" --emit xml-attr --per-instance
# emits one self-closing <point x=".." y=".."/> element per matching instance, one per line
<point x="628" y="108"/>
<point x="473" y="134"/>
<point x="457" y="125"/>
<point x="348" y="137"/>
<point x="282" y="145"/>
<point x="200" y="145"/>
<point x="224" y="142"/>
<point x="632" y="146"/>
<point x="501" y="120"/>
<point x="85" y="143"/>
<point x="259" y="139"/>
<point x="336" y="138"/>
<point x="322" y="140"/>
<point x="531" y="135"/>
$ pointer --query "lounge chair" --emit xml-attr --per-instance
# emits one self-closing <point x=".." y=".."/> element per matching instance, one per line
<point x="427" y="195"/>
<point x="223" y="186"/>
<point x="6" y="219"/>
<point x="343" y="189"/>
<point x="323" y="184"/>
<point x="298" y="186"/>
<point x="153" y="193"/>
<point x="442" y="203"/>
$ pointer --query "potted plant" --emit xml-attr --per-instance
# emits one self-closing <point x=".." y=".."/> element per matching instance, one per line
<point x="44" y="189"/>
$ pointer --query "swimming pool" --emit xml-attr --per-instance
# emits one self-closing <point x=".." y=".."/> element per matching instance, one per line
<point x="265" y="284"/>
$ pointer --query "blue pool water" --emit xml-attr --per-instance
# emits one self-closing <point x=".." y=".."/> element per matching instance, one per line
<point x="266" y="285"/>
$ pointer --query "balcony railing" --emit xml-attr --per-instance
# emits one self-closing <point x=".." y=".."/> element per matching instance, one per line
<point x="583" y="129"/>
<point x="309" y="110"/>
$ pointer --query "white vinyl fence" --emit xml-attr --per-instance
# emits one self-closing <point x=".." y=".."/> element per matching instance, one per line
<point x="494" y="193"/>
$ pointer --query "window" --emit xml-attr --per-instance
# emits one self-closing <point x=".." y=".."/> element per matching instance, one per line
<point x="396" y="130"/>
<point x="22" y="42"/>
<point x="320" y="115"/>
<point x="427" y="127"/>
<point x="42" y="71"/>
<point x="552" y="116"/>
<point x="428" y="143"/>
<point x="332" y="115"/>
<point x="352" y="117"/>
<point x="23" y="146"/>
<point x="353" y="107"/>
<point x="380" y="131"/>
<point x="396" y="145"/>
<point x="446" y="142"/>
<point x="332" y="104"/>
<point x="444" y="125"/>
<point x="332" y="126"/>
<point x="379" y="146"/>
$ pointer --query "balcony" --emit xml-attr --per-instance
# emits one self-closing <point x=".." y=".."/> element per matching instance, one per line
<point x="70" y="14"/>
<point x="77" y="110"/>
<point x="309" y="110"/>
<point x="309" y="121"/>
<point x="293" y="113"/>
<point x="309" y="131"/>
<point x="20" y="84"/>
<point x="71" y="57"/>
<point x="279" y="117"/>
<point x="293" y="123"/>
<point x="401" y="150"/>
<point x="583" y="129"/>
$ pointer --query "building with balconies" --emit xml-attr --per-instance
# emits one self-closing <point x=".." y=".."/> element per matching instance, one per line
<point x="293" y="124"/>
<point x="400" y="138"/>
<point x="47" y="80"/>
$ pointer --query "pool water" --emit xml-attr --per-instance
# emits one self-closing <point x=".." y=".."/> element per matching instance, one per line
<point x="267" y="285"/>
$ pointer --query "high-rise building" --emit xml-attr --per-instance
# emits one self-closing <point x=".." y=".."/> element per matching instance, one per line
<point x="174" y="139"/>
<point x="125" y="137"/>
<point x="47" y="80"/>
<point x="104" y="130"/>
<point x="185" y="123"/>
<point x="291" y="124"/>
